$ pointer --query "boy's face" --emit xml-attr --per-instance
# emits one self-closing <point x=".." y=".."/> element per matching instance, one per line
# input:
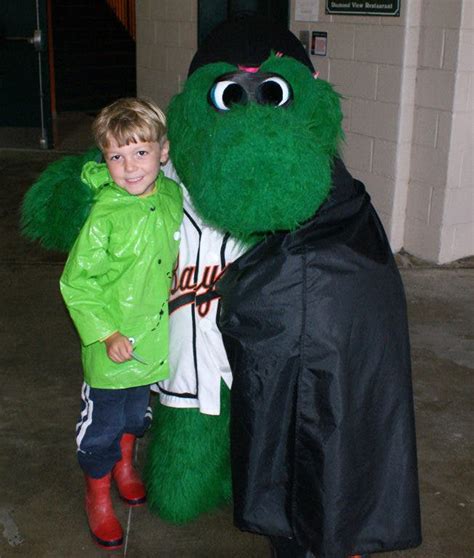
<point x="134" y="167"/>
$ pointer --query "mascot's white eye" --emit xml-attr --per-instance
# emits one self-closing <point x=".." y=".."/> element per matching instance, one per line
<point x="274" y="91"/>
<point x="226" y="93"/>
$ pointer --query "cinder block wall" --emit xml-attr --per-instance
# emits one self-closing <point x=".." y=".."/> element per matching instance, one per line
<point x="365" y="62"/>
<point x="440" y="208"/>
<point x="407" y="85"/>
<point x="166" y="43"/>
<point x="458" y="217"/>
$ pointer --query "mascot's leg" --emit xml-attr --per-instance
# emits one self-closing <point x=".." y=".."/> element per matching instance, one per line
<point x="187" y="471"/>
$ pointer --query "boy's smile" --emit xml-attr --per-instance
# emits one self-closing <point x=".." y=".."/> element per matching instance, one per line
<point x="134" y="167"/>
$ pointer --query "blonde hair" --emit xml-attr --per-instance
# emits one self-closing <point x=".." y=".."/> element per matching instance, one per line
<point x="129" y="120"/>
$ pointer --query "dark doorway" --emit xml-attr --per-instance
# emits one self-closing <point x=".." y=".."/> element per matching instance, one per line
<point x="94" y="52"/>
<point x="60" y="62"/>
<point x="25" y="115"/>
<point x="213" y="12"/>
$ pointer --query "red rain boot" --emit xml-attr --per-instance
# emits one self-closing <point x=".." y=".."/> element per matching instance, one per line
<point x="103" y="523"/>
<point x="130" y="487"/>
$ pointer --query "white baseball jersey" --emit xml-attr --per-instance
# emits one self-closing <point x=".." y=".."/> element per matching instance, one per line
<point x="197" y="358"/>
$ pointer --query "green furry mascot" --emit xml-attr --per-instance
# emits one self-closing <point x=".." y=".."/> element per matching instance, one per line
<point x="318" y="427"/>
<point x="312" y="315"/>
<point x="212" y="148"/>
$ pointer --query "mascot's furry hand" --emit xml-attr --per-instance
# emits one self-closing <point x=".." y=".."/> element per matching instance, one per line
<point x="56" y="206"/>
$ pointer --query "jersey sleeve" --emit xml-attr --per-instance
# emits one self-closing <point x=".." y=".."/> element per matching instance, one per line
<point x="81" y="285"/>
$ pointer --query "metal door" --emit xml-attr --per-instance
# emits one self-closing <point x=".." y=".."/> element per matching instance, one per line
<point x="213" y="12"/>
<point x="25" y="107"/>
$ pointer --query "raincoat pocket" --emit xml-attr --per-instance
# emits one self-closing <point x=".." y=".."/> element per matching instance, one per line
<point x="149" y="365"/>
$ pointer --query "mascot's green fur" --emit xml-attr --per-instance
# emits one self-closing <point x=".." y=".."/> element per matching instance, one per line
<point x="188" y="464"/>
<point x="239" y="165"/>
<point x="241" y="168"/>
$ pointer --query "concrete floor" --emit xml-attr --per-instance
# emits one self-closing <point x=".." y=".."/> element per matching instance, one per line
<point x="41" y="488"/>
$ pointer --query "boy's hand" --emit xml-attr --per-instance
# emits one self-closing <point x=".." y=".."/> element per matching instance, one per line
<point x="119" y="348"/>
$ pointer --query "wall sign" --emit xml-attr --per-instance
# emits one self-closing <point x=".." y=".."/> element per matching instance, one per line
<point x="307" y="10"/>
<point x="319" y="43"/>
<point x="364" y="7"/>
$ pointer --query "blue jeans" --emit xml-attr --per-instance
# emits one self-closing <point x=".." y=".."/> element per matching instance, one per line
<point x="106" y="414"/>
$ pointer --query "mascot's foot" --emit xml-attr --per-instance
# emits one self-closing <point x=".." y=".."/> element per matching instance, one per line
<point x="289" y="548"/>
<point x="103" y="523"/>
<point x="130" y="487"/>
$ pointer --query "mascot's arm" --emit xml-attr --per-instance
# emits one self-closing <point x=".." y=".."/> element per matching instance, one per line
<point x="58" y="203"/>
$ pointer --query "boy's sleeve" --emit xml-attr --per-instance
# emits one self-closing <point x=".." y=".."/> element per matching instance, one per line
<point x="80" y="288"/>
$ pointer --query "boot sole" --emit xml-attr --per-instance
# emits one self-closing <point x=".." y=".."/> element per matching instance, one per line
<point x="108" y="545"/>
<point x="134" y="503"/>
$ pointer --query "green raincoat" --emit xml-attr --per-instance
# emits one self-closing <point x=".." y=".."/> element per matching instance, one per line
<point x="118" y="276"/>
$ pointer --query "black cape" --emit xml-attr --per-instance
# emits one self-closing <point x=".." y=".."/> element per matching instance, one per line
<point x="322" y="422"/>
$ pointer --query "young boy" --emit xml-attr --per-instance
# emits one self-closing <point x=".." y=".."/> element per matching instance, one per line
<point x="116" y="285"/>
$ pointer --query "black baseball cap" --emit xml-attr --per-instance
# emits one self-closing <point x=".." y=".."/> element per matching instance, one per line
<point x="248" y="40"/>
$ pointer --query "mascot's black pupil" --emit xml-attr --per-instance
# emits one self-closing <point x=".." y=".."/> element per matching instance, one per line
<point x="270" y="93"/>
<point x="240" y="88"/>
<point x="234" y="94"/>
